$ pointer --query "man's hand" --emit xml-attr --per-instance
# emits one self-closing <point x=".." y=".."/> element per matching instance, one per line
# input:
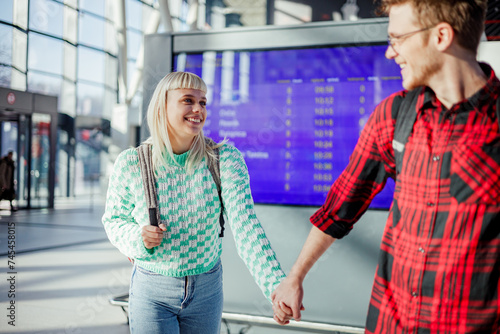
<point x="287" y="300"/>
<point x="152" y="236"/>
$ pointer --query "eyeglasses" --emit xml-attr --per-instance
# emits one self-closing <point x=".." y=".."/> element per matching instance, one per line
<point x="398" y="40"/>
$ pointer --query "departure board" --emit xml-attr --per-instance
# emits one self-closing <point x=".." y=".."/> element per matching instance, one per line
<point x="296" y="115"/>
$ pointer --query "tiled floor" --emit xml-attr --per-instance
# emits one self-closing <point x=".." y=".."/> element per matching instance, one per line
<point x="65" y="271"/>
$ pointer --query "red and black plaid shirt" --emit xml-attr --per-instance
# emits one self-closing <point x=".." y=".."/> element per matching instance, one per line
<point x="439" y="264"/>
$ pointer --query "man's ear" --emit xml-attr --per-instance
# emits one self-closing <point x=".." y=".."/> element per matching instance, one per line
<point x="442" y="36"/>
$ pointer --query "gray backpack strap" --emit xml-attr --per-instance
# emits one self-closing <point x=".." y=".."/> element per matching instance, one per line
<point x="148" y="179"/>
<point x="214" y="167"/>
<point x="406" y="116"/>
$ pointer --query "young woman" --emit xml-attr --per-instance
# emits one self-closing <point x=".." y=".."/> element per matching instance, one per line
<point x="176" y="283"/>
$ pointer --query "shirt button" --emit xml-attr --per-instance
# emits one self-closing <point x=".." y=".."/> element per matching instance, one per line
<point x="421" y="250"/>
<point x="430" y="204"/>
<point x="414" y="294"/>
<point x="435" y="158"/>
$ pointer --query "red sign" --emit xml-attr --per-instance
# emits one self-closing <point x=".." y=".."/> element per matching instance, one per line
<point x="11" y="98"/>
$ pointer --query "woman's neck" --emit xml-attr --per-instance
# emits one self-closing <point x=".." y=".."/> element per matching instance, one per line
<point x="180" y="146"/>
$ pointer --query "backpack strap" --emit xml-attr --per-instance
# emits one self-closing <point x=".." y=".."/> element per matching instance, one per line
<point x="148" y="180"/>
<point x="214" y="167"/>
<point x="498" y="109"/>
<point x="406" y="116"/>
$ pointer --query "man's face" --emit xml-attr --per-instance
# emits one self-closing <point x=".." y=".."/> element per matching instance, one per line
<point x="410" y="47"/>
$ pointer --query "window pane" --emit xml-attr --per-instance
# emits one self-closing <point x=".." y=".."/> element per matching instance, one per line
<point x="5" y="44"/>
<point x="89" y="99"/>
<point x="44" y="84"/>
<point x="111" y="72"/>
<point x="6" y="11"/>
<point x="46" y="16"/>
<point x="70" y="25"/>
<point x="110" y="98"/>
<point x="111" y="44"/>
<point x="91" y="31"/>
<point x="5" y="74"/>
<point x="67" y="99"/>
<point x="134" y="14"/>
<point x="45" y="54"/>
<point x="93" y="6"/>
<point x="131" y="68"/>
<point x="91" y="65"/>
<point x="134" y="41"/>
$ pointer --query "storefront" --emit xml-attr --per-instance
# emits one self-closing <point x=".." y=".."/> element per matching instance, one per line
<point x="28" y="127"/>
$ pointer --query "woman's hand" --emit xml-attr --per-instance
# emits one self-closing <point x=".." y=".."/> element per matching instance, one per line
<point x="152" y="236"/>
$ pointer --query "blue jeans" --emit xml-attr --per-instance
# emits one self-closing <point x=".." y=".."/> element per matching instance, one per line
<point x="179" y="305"/>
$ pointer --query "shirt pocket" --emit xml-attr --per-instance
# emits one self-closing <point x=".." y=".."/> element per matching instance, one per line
<point x="475" y="174"/>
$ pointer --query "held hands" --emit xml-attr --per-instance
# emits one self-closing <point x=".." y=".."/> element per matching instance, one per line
<point x="152" y="236"/>
<point x="287" y="300"/>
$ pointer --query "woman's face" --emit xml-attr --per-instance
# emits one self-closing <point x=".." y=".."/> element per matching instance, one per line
<point x="186" y="114"/>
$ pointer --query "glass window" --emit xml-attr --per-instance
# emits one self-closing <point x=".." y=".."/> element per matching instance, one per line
<point x="110" y="100"/>
<point x="90" y="99"/>
<point x="45" y="54"/>
<point x="91" y="65"/>
<point x="67" y="99"/>
<point x="111" y="72"/>
<point x="5" y="44"/>
<point x="17" y="80"/>
<point x="70" y="61"/>
<point x="131" y="68"/>
<point x="19" y="47"/>
<point x="147" y="13"/>
<point x="5" y="75"/>
<point x="70" y="24"/>
<point x="93" y="6"/>
<point x="88" y="161"/>
<point x="7" y="10"/>
<point x="46" y="16"/>
<point x="44" y="84"/>
<point x="91" y="31"/>
<point x="134" y="41"/>
<point x="134" y="14"/>
<point x="111" y="44"/>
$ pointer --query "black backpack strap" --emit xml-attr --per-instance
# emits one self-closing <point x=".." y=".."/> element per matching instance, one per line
<point x="214" y="167"/>
<point x="148" y="180"/>
<point x="405" y="118"/>
<point x="498" y="109"/>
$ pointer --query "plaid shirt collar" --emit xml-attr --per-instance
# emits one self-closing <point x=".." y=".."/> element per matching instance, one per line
<point x="481" y="100"/>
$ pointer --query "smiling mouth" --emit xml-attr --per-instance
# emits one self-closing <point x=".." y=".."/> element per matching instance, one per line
<point x="194" y="120"/>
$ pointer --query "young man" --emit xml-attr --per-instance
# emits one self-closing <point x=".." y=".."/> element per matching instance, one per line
<point x="439" y="263"/>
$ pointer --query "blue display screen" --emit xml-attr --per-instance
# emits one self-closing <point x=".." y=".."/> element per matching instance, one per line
<point x="296" y="115"/>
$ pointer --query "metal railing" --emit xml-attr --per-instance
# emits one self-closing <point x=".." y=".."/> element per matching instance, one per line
<point x="240" y="318"/>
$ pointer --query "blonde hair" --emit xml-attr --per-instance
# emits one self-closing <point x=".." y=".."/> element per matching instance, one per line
<point x="158" y="125"/>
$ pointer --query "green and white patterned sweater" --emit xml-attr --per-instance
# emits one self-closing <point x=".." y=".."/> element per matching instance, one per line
<point x="189" y="208"/>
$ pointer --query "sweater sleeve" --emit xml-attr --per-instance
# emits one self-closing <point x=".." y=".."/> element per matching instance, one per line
<point x="122" y="229"/>
<point x="251" y="242"/>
